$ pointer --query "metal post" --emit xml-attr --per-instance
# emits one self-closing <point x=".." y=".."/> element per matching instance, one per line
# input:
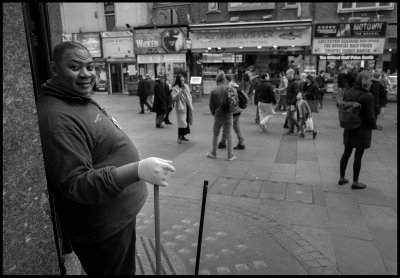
<point x="203" y="207"/>
<point x="157" y="229"/>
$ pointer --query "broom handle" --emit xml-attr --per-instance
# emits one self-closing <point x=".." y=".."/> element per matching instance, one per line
<point x="203" y="207"/>
<point x="157" y="228"/>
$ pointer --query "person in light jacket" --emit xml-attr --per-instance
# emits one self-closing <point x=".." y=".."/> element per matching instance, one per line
<point x="183" y="106"/>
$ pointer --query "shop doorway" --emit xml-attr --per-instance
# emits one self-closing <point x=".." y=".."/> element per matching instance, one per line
<point x="116" y="80"/>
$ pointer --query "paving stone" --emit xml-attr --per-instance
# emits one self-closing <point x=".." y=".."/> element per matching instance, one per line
<point x="241" y="267"/>
<point x="223" y="270"/>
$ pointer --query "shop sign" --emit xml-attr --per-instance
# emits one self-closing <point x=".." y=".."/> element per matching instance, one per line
<point x="109" y="8"/>
<point x="90" y="40"/>
<point x="350" y="30"/>
<point x="250" y="6"/>
<point x="348" y="57"/>
<point x="121" y="47"/>
<point x="160" y="40"/>
<point x="266" y="37"/>
<point x="348" y="46"/>
<point x="161" y="58"/>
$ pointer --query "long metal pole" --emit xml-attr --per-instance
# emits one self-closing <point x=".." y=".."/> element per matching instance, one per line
<point x="157" y="228"/>
<point x="203" y="207"/>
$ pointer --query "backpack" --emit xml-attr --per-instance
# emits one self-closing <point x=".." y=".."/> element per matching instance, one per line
<point x="231" y="101"/>
<point x="242" y="99"/>
<point x="349" y="114"/>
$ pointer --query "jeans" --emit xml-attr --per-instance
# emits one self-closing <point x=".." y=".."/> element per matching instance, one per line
<point x="291" y="120"/>
<point x="226" y="124"/>
<point x="266" y="111"/>
<point x="236" y="128"/>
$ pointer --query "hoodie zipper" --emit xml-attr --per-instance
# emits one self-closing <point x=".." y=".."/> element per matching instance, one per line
<point x="114" y="121"/>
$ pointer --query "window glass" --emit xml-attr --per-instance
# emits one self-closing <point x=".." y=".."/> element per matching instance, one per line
<point x="365" y="4"/>
<point x="347" y="5"/>
<point x="213" y="6"/>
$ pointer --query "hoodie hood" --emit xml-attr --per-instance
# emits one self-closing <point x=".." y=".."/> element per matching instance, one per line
<point x="49" y="88"/>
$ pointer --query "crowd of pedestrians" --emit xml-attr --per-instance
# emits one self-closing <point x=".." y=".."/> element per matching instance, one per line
<point x="297" y="97"/>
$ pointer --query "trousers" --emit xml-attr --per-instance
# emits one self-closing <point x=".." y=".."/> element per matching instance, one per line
<point x="112" y="256"/>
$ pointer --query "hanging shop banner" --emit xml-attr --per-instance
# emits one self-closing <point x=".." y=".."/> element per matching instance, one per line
<point x="90" y="40"/>
<point x="348" y="57"/>
<point x="117" y="44"/>
<point x="161" y="58"/>
<point x="348" y="46"/>
<point x="160" y="40"/>
<point x="250" y="6"/>
<point x="251" y="38"/>
<point x="350" y="30"/>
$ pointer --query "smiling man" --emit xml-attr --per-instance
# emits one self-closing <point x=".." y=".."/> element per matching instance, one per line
<point x="92" y="167"/>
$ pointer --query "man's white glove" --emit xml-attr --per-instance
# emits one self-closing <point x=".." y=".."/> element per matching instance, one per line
<point x="155" y="170"/>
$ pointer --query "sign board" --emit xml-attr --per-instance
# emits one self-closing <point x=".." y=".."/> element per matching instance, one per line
<point x="350" y="30"/>
<point x="196" y="80"/>
<point x="90" y="40"/>
<point x="348" y="57"/>
<point x="357" y="46"/>
<point x="109" y="8"/>
<point x="250" y="6"/>
<point x="161" y="58"/>
<point x="227" y="38"/>
<point x="160" y="40"/>
<point x="119" y="47"/>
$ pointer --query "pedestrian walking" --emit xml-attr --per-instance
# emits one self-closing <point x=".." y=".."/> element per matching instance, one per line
<point x="303" y="115"/>
<point x="183" y="106"/>
<point x="93" y="169"/>
<point x="342" y="81"/>
<point x="236" y="124"/>
<point x="292" y="90"/>
<point x="150" y="89"/>
<point x="383" y="98"/>
<point x="160" y="105"/>
<point x="142" y="93"/>
<point x="265" y="100"/>
<point x="321" y="81"/>
<point x="282" y="87"/>
<point x="375" y="89"/>
<point x="222" y="118"/>
<point x="255" y="81"/>
<point x="359" y="138"/>
<point x="170" y="103"/>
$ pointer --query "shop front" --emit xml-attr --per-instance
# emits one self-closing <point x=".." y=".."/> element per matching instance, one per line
<point x="161" y="51"/>
<point x="272" y="46"/>
<point x="120" y="60"/>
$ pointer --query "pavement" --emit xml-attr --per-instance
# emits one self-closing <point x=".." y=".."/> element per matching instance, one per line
<point x="277" y="209"/>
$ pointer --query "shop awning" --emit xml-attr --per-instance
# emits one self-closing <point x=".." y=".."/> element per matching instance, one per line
<point x="168" y="5"/>
<point x="277" y="25"/>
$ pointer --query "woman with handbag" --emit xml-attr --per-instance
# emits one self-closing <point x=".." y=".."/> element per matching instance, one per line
<point x="183" y="106"/>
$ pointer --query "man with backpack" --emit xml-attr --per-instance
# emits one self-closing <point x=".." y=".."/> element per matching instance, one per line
<point x="243" y="101"/>
<point x="222" y="99"/>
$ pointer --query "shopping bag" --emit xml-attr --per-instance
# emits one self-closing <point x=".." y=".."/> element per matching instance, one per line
<point x="309" y="124"/>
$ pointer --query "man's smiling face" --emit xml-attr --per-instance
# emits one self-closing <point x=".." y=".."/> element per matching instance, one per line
<point x="75" y="71"/>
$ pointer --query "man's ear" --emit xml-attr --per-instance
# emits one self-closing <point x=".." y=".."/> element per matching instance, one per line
<point x="53" y="69"/>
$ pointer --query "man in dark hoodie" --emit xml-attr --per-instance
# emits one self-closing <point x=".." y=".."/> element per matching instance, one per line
<point x="93" y="169"/>
<point x="291" y="93"/>
<point x="265" y="101"/>
<point x="160" y="104"/>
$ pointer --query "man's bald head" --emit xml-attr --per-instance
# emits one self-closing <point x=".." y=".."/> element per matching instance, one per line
<point x="62" y="47"/>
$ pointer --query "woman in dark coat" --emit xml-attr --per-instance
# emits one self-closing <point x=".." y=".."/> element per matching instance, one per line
<point x="359" y="138"/>
<point x="160" y="100"/>
<point x="311" y="91"/>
